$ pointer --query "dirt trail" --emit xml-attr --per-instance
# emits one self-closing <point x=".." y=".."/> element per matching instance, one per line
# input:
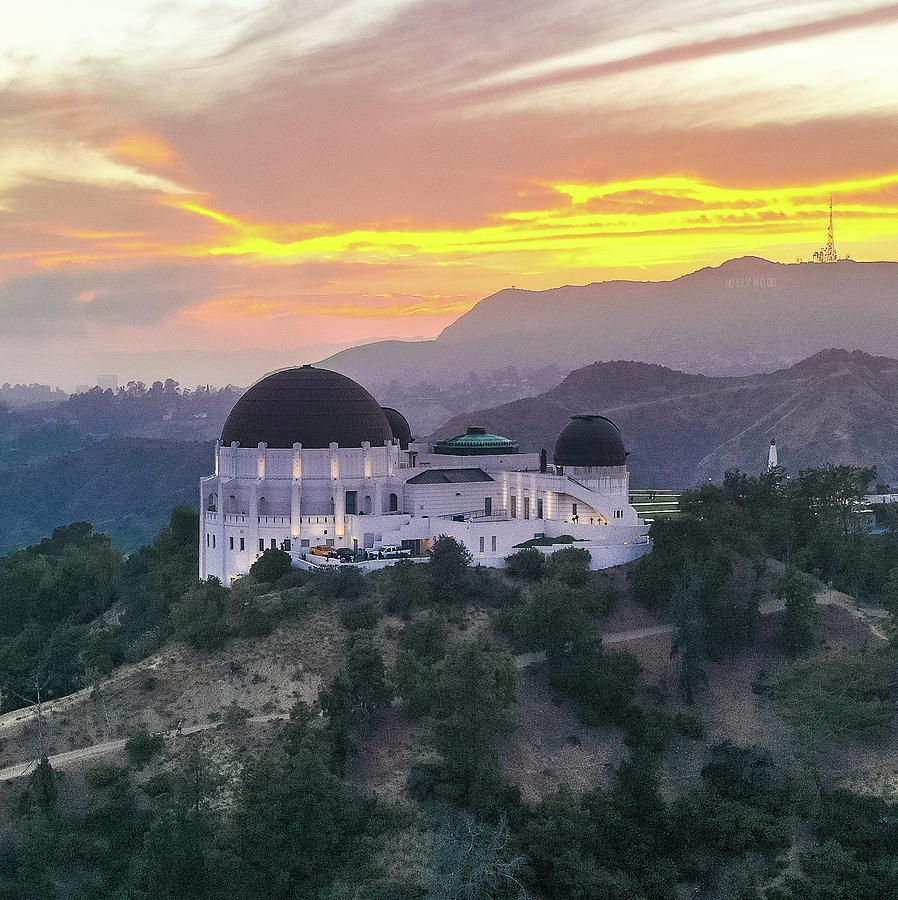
<point x="62" y="760"/>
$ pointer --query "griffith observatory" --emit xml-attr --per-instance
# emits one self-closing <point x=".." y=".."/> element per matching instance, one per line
<point x="308" y="459"/>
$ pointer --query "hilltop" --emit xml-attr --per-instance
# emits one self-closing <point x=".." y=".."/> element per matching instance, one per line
<point x="745" y="315"/>
<point x="835" y="407"/>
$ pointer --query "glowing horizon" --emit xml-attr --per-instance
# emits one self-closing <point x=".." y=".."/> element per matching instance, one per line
<point x="251" y="176"/>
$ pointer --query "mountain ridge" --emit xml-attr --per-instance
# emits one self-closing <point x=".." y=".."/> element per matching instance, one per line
<point x="745" y="315"/>
<point x="835" y="407"/>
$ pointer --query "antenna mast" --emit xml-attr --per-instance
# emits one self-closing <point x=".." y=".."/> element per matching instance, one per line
<point x="828" y="253"/>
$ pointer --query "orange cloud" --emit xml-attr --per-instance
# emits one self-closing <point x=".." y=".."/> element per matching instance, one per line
<point x="247" y="305"/>
<point x="144" y="149"/>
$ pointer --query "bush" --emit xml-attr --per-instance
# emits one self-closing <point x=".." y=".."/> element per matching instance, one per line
<point x="199" y="616"/>
<point x="360" y="613"/>
<point x="235" y="716"/>
<point x="141" y="747"/>
<point x="449" y="558"/>
<point x="403" y="586"/>
<point x="104" y="776"/>
<point x="526" y="564"/>
<point x="691" y="723"/>
<point x="570" y="566"/>
<point x="425" y="637"/>
<point x="270" y="566"/>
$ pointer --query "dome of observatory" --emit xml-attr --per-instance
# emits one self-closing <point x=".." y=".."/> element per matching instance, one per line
<point x="402" y="432"/>
<point x="308" y="406"/>
<point x="590" y="441"/>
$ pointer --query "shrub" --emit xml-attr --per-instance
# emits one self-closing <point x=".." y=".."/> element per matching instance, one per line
<point x="691" y="723"/>
<point x="449" y="558"/>
<point x="141" y="747"/>
<point x="235" y="717"/>
<point x="104" y="776"/>
<point x="570" y="566"/>
<point x="271" y="565"/>
<point x="526" y="564"/>
<point x="360" y="613"/>
<point x="199" y="616"/>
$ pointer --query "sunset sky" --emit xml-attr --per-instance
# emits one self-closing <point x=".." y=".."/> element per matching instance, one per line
<point x="209" y="189"/>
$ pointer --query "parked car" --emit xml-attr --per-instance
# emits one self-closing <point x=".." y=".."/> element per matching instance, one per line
<point x="346" y="554"/>
<point x="391" y="552"/>
<point x="325" y="551"/>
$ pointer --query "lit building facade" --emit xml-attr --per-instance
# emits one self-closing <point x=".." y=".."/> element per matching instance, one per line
<point x="308" y="458"/>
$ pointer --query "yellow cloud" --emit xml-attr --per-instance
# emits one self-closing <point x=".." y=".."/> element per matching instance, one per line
<point x="144" y="149"/>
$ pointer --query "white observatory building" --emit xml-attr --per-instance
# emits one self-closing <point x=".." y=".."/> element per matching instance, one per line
<point x="308" y="457"/>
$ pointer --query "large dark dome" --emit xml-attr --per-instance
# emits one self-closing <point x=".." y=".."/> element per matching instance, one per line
<point x="590" y="441"/>
<point x="402" y="432"/>
<point x="307" y="406"/>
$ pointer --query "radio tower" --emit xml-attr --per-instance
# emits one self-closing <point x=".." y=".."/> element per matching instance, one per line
<point x="828" y="253"/>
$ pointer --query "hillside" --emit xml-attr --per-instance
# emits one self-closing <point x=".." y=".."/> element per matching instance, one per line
<point x="125" y="487"/>
<point x="744" y="316"/>
<point x="835" y="407"/>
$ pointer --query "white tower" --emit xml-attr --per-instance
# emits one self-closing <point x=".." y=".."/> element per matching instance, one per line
<point x="771" y="456"/>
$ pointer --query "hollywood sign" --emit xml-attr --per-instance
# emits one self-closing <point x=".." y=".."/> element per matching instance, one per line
<point x="769" y="282"/>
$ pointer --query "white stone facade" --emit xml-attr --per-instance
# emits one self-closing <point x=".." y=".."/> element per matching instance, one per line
<point x="372" y="496"/>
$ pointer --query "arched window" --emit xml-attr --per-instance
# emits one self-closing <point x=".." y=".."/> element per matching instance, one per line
<point x="394" y="503"/>
<point x="367" y="505"/>
<point x="212" y="505"/>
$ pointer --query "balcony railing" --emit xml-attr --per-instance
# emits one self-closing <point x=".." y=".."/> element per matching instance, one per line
<point x="478" y="515"/>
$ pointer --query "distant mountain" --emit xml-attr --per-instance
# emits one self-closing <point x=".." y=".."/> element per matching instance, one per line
<point x="746" y="315"/>
<point x="835" y="407"/>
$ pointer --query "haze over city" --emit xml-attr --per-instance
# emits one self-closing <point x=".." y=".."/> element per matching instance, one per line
<point x="184" y="186"/>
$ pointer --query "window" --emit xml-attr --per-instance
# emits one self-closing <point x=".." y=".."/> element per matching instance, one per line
<point x="213" y="541"/>
<point x="487" y="506"/>
<point x="574" y="516"/>
<point x="526" y="507"/>
<point x="352" y="499"/>
<point x="261" y="545"/>
<point x="482" y="543"/>
<point x="285" y="544"/>
<point x="618" y="514"/>
<point x="394" y="503"/>
<point x="539" y="509"/>
<point x="494" y="543"/>
<point x="514" y="507"/>
<point x="207" y="540"/>
<point x="243" y="543"/>
<point x="303" y="543"/>
<point x="231" y="540"/>
<point x="274" y="543"/>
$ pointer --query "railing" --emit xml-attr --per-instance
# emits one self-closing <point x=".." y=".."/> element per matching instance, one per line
<point x="478" y="515"/>
<point x="274" y="520"/>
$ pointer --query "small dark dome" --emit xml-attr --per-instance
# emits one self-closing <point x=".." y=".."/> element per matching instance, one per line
<point x="307" y="406"/>
<point x="399" y="426"/>
<point x="590" y="441"/>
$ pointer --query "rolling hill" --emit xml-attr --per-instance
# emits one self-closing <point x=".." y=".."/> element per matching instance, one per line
<point x="835" y="407"/>
<point x="746" y="315"/>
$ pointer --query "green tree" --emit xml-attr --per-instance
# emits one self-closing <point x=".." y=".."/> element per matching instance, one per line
<point x="801" y="618"/>
<point x="691" y="639"/>
<point x="271" y="565"/>
<point x="469" y="719"/>
<point x="527" y="564"/>
<point x="449" y="559"/>
<point x="199" y="616"/>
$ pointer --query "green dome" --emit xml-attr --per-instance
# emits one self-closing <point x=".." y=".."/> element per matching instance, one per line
<point x="476" y="442"/>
